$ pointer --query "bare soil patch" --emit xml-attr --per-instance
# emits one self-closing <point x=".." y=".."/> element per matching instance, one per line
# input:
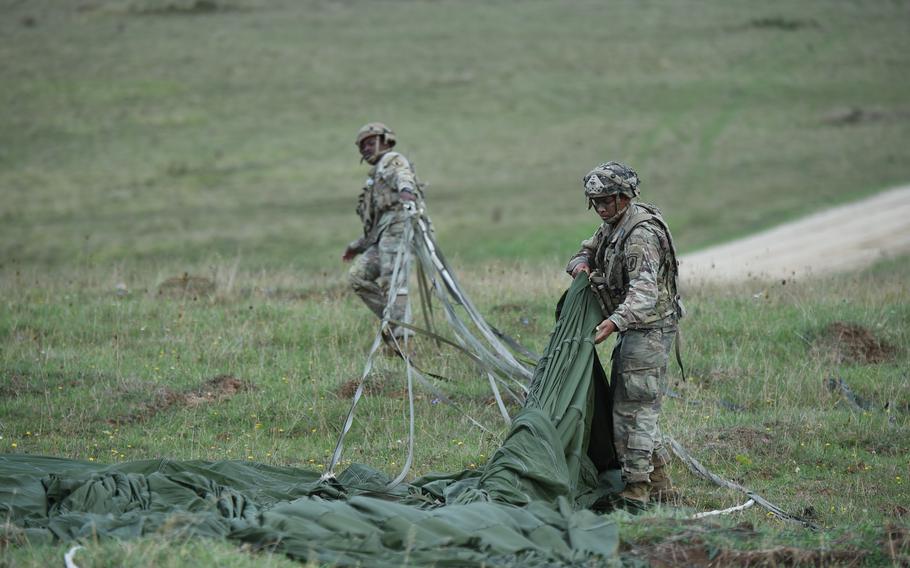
<point x="856" y="115"/>
<point x="16" y="385"/>
<point x="376" y="386"/>
<point x="739" y="438"/>
<point x="186" y="286"/>
<point x="698" y="553"/>
<point x="782" y="24"/>
<point x="185" y="7"/>
<point x="214" y="390"/>
<point x="349" y="387"/>
<point x="897" y="544"/>
<point x="852" y="343"/>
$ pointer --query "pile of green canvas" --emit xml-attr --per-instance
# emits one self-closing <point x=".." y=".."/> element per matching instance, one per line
<point x="528" y="506"/>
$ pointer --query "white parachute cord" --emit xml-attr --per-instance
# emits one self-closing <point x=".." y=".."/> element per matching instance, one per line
<point x="410" y="457"/>
<point x="727" y="511"/>
<point x="698" y="469"/>
<point x="401" y="257"/>
<point x="464" y="336"/>
<point x="329" y="472"/>
<point x="478" y="319"/>
<point x="499" y="403"/>
<point x="70" y="554"/>
<point x="463" y="299"/>
<point x="407" y="361"/>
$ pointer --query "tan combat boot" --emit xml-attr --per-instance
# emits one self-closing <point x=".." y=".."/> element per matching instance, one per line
<point x="661" y="487"/>
<point x="635" y="496"/>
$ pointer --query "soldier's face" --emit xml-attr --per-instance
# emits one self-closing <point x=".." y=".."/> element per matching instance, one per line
<point x="368" y="147"/>
<point x="606" y="207"/>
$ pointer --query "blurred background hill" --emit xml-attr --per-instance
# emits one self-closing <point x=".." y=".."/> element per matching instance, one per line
<point x="166" y="133"/>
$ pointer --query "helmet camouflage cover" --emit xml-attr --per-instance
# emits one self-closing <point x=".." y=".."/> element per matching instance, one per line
<point x="611" y="178"/>
<point x="375" y="129"/>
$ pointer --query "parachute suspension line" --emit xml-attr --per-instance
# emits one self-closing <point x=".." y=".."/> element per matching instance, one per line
<point x="425" y="303"/>
<point x="329" y="472"/>
<point x="410" y="458"/>
<point x="438" y="262"/>
<point x="473" y="357"/>
<point x="402" y="256"/>
<point x="494" y="352"/>
<point x="404" y="350"/>
<point x="698" y="469"/>
<point x="498" y="397"/>
<point x="727" y="511"/>
<point x="468" y="342"/>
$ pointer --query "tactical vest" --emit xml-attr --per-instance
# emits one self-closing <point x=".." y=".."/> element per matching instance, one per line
<point x="378" y="197"/>
<point x="610" y="280"/>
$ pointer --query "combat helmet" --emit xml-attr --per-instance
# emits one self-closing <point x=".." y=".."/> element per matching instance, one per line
<point x="611" y="178"/>
<point x="375" y="129"/>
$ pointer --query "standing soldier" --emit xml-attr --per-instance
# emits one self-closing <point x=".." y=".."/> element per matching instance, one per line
<point x="632" y="266"/>
<point x="390" y="188"/>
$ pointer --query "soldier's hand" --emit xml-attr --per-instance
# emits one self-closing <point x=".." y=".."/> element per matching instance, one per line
<point x="348" y="255"/>
<point x="604" y="330"/>
<point x="405" y="195"/>
<point x="583" y="267"/>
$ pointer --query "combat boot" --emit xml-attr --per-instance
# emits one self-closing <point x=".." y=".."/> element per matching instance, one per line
<point x="635" y="496"/>
<point x="661" y="487"/>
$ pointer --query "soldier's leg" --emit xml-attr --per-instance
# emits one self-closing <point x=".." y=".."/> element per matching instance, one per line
<point x="390" y="243"/>
<point x="363" y="277"/>
<point x="640" y="374"/>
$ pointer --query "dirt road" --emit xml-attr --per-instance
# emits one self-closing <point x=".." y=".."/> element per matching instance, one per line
<point x="844" y="238"/>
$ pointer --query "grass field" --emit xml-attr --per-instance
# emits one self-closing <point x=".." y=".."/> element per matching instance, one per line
<point x="141" y="140"/>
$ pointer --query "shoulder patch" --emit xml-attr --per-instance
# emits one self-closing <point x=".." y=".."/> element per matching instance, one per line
<point x="632" y="262"/>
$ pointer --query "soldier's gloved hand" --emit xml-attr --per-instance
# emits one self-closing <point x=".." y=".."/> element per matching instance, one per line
<point x="410" y="207"/>
<point x="583" y="267"/>
<point x="604" y="330"/>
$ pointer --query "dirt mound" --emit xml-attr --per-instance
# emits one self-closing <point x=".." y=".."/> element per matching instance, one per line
<point x="348" y="388"/>
<point x="696" y="552"/>
<point x="186" y="285"/>
<point x="852" y="343"/>
<point x="216" y="389"/>
<point x="782" y="24"/>
<point x="379" y="385"/>
<point x="183" y="7"/>
<point x="856" y="115"/>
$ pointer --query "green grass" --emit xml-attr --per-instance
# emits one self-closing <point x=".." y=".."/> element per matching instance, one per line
<point x="77" y="357"/>
<point x="132" y="135"/>
<point x="138" y="143"/>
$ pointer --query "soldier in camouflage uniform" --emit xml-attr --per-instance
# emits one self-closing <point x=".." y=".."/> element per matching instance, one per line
<point x="632" y="266"/>
<point x="391" y="189"/>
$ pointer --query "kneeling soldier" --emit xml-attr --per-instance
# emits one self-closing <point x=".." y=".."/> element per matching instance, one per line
<point x="633" y="271"/>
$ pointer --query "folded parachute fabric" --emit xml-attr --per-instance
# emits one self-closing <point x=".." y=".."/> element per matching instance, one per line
<point x="526" y="507"/>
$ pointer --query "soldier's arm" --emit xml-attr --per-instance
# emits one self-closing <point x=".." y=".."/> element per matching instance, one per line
<point x="642" y="254"/>
<point x="397" y="172"/>
<point x="585" y="254"/>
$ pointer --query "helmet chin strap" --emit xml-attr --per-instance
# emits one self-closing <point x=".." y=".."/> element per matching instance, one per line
<point x="619" y="212"/>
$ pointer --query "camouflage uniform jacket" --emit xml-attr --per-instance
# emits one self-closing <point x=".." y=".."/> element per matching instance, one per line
<point x="634" y="270"/>
<point x="390" y="176"/>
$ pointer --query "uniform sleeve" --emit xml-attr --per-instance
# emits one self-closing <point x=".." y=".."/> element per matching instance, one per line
<point x="585" y="254"/>
<point x="642" y="258"/>
<point x="398" y="174"/>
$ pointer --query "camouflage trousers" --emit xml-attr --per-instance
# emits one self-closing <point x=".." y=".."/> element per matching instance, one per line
<point x="639" y="379"/>
<point x="371" y="272"/>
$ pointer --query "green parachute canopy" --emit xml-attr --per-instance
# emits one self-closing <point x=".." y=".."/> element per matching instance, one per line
<point x="529" y="505"/>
